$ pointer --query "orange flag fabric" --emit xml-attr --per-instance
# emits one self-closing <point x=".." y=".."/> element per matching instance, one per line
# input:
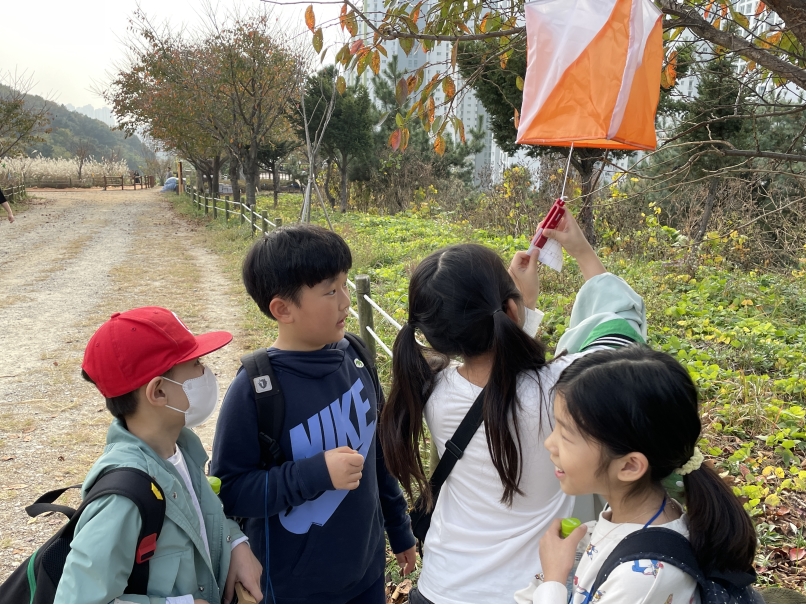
<point x="593" y="74"/>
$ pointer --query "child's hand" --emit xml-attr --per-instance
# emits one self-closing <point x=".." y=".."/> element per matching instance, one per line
<point x="523" y="270"/>
<point x="344" y="465"/>
<point x="407" y="560"/>
<point x="570" y="237"/>
<point x="557" y="554"/>
<point x="246" y="569"/>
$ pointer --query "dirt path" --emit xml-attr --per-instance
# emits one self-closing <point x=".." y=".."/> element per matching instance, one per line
<point x="67" y="264"/>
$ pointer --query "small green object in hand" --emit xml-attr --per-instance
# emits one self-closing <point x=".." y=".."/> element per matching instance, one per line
<point x="215" y="483"/>
<point x="568" y="525"/>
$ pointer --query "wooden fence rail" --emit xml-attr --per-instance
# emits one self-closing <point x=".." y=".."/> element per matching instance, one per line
<point x="15" y="193"/>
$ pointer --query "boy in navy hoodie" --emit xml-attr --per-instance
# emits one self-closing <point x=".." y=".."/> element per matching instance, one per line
<point x="317" y="520"/>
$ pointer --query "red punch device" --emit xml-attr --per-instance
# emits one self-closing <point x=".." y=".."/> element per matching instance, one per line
<point x="550" y="222"/>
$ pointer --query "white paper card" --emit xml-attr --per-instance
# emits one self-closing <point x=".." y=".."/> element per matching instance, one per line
<point x="551" y="255"/>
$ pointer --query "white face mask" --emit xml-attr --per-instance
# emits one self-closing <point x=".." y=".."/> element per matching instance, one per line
<point x="202" y="394"/>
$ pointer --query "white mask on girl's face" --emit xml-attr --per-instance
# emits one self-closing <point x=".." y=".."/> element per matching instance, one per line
<point x="202" y="394"/>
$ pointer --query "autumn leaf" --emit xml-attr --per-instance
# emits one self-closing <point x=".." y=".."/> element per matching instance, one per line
<point x="405" y="138"/>
<point x="519" y="83"/>
<point x="505" y="59"/>
<point x="449" y="88"/>
<point x="439" y="145"/>
<point x="406" y="44"/>
<point x="483" y="24"/>
<point x="317" y="40"/>
<point x="341" y="85"/>
<point x="708" y="8"/>
<point x="310" y="19"/>
<point x="356" y="46"/>
<point x="376" y="63"/>
<point x="394" y="139"/>
<point x="411" y="82"/>
<point x="351" y="23"/>
<point x="343" y="17"/>
<point x="454" y="54"/>
<point x="415" y="13"/>
<point x="775" y="38"/>
<point x="668" y="76"/>
<point x="760" y="9"/>
<point x="796" y="554"/>
<point x="517" y="119"/>
<point x="401" y="91"/>
<point x="431" y="110"/>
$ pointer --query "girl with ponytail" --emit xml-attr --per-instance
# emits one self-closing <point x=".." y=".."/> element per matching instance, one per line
<point x="624" y="421"/>
<point x="502" y="494"/>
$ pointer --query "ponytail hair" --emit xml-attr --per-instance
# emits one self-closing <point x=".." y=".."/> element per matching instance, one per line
<point x="635" y="399"/>
<point x="458" y="298"/>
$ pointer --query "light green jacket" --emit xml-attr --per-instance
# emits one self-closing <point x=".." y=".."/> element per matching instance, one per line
<point x="605" y="304"/>
<point x="103" y="549"/>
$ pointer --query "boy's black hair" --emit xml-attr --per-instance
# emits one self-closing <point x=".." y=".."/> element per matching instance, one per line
<point x="123" y="405"/>
<point x="286" y="259"/>
<point x="639" y="400"/>
<point x="120" y="407"/>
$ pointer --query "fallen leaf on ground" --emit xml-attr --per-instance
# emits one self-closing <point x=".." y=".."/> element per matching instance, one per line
<point x="796" y="554"/>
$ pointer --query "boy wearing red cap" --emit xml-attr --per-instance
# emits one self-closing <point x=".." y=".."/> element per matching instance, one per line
<point x="145" y="362"/>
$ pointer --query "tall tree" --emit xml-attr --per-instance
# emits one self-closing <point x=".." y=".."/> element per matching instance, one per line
<point x="22" y="120"/>
<point x="221" y="89"/>
<point x="349" y="133"/>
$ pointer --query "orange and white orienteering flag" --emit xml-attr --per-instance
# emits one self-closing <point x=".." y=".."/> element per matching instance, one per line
<point x="593" y="73"/>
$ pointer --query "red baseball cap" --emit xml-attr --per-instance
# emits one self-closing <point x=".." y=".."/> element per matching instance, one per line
<point x="133" y="347"/>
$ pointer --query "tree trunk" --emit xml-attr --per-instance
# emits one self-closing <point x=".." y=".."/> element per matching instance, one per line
<point x="328" y="175"/>
<point x="584" y="161"/>
<point x="275" y="176"/>
<point x="233" y="179"/>
<point x="251" y="172"/>
<point x="344" y="184"/>
<point x="216" y="172"/>
<point x="707" y="212"/>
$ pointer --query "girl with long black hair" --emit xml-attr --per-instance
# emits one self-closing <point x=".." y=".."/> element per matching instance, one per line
<point x="625" y="420"/>
<point x="502" y="495"/>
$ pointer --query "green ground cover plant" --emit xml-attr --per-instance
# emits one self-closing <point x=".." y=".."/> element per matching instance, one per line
<point x="741" y="334"/>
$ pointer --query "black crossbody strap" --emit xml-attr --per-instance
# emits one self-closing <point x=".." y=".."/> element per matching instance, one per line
<point x="456" y="445"/>
<point x="270" y="405"/>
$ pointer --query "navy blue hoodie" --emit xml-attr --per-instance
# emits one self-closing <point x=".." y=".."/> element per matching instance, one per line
<point x="325" y="545"/>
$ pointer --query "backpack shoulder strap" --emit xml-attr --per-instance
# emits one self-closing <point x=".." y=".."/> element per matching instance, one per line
<point x="270" y="405"/>
<point x="655" y="544"/>
<point x="366" y="357"/>
<point x="147" y="495"/>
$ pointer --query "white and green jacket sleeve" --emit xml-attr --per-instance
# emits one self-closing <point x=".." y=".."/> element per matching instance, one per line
<point x="606" y="312"/>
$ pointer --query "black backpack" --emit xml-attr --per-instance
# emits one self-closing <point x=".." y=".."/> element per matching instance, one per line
<point x="271" y="403"/>
<point x="661" y="544"/>
<point x="36" y="580"/>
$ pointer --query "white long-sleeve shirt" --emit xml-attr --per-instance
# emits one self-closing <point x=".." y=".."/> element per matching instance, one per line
<point x="641" y="581"/>
<point x="478" y="549"/>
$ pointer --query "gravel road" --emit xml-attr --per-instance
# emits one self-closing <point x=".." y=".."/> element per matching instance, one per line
<point x="68" y="262"/>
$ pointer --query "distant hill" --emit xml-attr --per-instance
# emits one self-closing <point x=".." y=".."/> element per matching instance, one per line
<point x="69" y="128"/>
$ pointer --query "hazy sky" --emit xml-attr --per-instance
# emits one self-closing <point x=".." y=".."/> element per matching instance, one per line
<point x="69" y="45"/>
